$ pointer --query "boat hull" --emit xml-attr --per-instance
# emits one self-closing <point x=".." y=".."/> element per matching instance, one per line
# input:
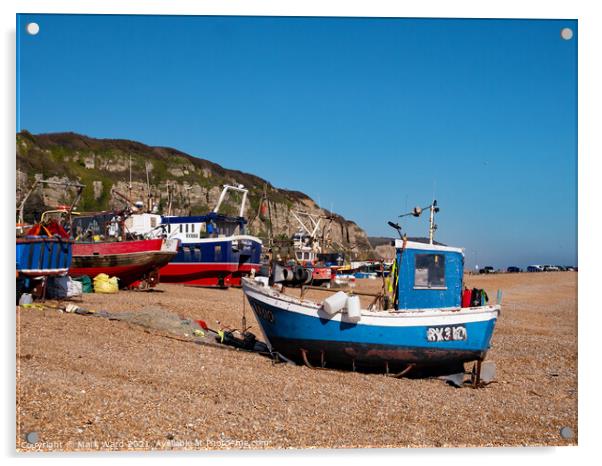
<point x="214" y="262"/>
<point x="130" y="261"/>
<point x="42" y="256"/>
<point x="378" y="341"/>
<point x="212" y="274"/>
<point x="372" y="356"/>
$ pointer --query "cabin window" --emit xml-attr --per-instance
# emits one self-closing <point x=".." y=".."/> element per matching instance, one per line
<point x="187" y="253"/>
<point x="153" y="222"/>
<point x="187" y="228"/>
<point x="429" y="271"/>
<point x="218" y="252"/>
<point x="192" y="228"/>
<point x="198" y="252"/>
<point x="169" y="228"/>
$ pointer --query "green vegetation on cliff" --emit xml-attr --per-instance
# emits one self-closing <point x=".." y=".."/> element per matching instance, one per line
<point x="101" y="164"/>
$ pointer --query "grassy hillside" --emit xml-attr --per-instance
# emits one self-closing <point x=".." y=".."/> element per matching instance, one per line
<point x="101" y="164"/>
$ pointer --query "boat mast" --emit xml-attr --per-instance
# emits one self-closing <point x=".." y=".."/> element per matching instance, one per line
<point x="130" y="185"/>
<point x="187" y="189"/>
<point x="432" y="227"/>
<point x="169" y="196"/>
<point x="66" y="184"/>
<point x="149" y="194"/>
<point x="416" y="211"/>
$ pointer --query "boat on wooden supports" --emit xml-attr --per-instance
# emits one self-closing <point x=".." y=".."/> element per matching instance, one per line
<point x="416" y="322"/>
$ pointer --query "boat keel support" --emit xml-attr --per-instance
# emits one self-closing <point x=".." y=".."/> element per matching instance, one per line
<point x="398" y="375"/>
<point x="306" y="359"/>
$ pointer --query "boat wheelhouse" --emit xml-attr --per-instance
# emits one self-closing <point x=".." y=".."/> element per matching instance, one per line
<point x="306" y="251"/>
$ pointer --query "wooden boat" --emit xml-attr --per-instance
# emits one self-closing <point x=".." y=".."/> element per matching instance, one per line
<point x="425" y="328"/>
<point x="90" y="244"/>
<point x="104" y="245"/>
<point x="135" y="263"/>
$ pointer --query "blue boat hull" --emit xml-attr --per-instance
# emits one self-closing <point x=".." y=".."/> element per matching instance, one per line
<point x="213" y="262"/>
<point x="291" y="330"/>
<point x="41" y="256"/>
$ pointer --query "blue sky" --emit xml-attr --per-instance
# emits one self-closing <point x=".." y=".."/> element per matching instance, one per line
<point x="370" y="116"/>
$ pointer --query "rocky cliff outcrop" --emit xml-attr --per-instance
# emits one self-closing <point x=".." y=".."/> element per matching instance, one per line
<point x="193" y="184"/>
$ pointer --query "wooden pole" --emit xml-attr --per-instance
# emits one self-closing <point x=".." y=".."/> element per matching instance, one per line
<point x="244" y="316"/>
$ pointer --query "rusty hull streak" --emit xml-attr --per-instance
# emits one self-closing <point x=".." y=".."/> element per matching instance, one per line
<point x="368" y="357"/>
<point x="422" y="356"/>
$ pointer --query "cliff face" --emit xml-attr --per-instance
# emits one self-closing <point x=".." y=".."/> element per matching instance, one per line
<point x="103" y="164"/>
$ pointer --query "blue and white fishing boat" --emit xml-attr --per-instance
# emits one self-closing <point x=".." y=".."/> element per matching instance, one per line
<point x="425" y="326"/>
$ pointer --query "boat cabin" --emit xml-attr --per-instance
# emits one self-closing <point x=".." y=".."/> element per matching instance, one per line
<point x="306" y="250"/>
<point x="430" y="276"/>
<point x="212" y="225"/>
<point x="304" y="256"/>
<point x="144" y="225"/>
<point x="96" y="227"/>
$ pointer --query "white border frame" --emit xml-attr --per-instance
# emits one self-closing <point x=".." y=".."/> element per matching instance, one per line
<point x="590" y="76"/>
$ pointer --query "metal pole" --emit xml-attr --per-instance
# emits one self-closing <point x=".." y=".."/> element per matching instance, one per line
<point x="242" y="204"/>
<point x="221" y="198"/>
<point x="24" y="200"/>
<point x="130" y="185"/>
<point x="148" y="190"/>
<point x="432" y="221"/>
<point x="169" y="198"/>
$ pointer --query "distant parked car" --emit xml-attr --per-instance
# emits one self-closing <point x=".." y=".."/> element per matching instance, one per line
<point x="570" y="268"/>
<point x="535" y="268"/>
<point x="550" y="268"/>
<point x="513" y="269"/>
<point x="562" y="268"/>
<point x="487" y="269"/>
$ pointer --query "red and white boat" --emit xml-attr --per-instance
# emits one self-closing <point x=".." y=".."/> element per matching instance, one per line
<point x="100" y="247"/>
<point x="101" y="242"/>
<point x="135" y="263"/>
